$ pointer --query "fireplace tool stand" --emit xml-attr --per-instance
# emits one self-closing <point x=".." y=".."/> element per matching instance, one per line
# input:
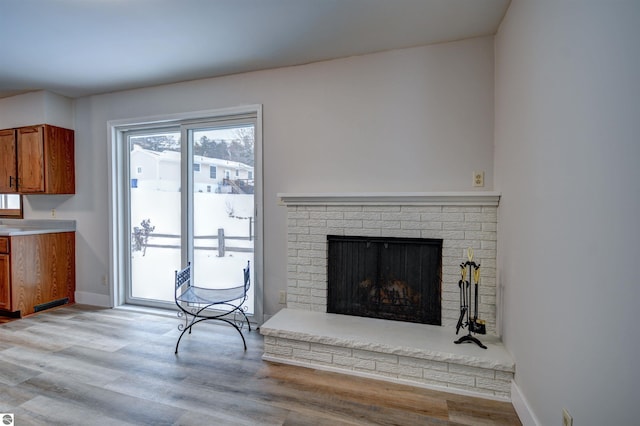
<point x="474" y="325"/>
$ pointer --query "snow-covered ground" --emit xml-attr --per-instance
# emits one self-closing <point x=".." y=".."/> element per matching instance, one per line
<point x="152" y="275"/>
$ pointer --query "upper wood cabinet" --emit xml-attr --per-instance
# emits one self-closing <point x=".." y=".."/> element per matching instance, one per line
<point x="39" y="161"/>
<point x="8" y="162"/>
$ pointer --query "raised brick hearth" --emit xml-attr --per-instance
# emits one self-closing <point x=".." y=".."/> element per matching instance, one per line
<point x="461" y="221"/>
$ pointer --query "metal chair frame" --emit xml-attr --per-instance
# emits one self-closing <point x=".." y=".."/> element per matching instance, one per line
<point x="199" y="304"/>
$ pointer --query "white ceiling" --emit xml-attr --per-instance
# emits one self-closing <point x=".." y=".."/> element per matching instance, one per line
<point x="83" y="47"/>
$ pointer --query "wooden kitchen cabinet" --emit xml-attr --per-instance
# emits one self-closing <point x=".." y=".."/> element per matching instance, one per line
<point x="37" y="160"/>
<point x="8" y="162"/>
<point x="5" y="295"/>
<point x="37" y="272"/>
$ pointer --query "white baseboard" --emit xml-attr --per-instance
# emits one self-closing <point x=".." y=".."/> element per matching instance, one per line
<point x="522" y="407"/>
<point x="93" y="299"/>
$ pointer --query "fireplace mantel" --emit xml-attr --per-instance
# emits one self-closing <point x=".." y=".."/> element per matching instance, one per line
<point x="483" y="198"/>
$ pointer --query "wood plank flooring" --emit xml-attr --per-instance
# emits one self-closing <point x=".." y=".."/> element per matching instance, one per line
<point x="81" y="365"/>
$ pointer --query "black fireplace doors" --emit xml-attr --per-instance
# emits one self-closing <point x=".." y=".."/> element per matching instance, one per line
<point x="389" y="278"/>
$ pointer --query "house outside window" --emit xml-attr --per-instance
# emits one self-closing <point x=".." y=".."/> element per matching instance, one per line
<point x="237" y="172"/>
<point x="212" y="172"/>
<point x="250" y="175"/>
<point x="139" y="170"/>
<point x="196" y="167"/>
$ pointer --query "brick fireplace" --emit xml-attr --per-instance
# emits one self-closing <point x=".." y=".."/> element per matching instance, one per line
<point x="461" y="221"/>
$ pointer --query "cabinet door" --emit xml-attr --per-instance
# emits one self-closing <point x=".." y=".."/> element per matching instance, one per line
<point x="31" y="159"/>
<point x="59" y="165"/>
<point x="5" y="283"/>
<point x="8" y="183"/>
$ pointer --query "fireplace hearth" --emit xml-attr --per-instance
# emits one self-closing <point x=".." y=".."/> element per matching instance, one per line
<point x="388" y="278"/>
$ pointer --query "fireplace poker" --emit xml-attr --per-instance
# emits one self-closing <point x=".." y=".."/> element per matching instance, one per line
<point x="477" y="325"/>
<point x="463" y="299"/>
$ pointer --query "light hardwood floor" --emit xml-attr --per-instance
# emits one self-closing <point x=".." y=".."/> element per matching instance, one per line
<point x="81" y="365"/>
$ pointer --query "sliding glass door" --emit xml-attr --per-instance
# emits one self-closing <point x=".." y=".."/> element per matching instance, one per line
<point x="191" y="198"/>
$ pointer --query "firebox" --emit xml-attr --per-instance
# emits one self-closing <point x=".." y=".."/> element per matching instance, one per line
<point x="390" y="278"/>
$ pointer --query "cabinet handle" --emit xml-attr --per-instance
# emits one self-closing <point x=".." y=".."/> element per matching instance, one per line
<point x="11" y="181"/>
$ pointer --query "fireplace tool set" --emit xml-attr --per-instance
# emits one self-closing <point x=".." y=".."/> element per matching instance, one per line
<point x="473" y="324"/>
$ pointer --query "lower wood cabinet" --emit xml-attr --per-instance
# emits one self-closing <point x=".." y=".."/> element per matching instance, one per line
<point x="36" y="272"/>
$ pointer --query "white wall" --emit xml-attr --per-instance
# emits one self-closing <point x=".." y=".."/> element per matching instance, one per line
<point x="418" y="119"/>
<point x="566" y="161"/>
<point x="38" y="107"/>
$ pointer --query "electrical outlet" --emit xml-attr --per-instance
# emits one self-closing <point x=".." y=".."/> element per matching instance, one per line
<point x="283" y="297"/>
<point x="478" y="178"/>
<point x="567" y="420"/>
<point x="53" y="212"/>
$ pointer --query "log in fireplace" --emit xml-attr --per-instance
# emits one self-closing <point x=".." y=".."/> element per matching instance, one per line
<point x="390" y="278"/>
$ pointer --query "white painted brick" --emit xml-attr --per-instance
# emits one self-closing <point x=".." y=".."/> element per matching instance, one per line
<point x="305" y="284"/>
<point x="462" y="244"/>
<point x="319" y="261"/>
<point x="480" y="235"/>
<point x="442" y="217"/>
<point x="490" y="227"/>
<point x="269" y="340"/>
<point x="421" y="209"/>
<point x="354" y="363"/>
<point x="449" y="378"/>
<point x="278" y="350"/>
<point x="461" y="209"/>
<point x="319" y="293"/>
<point x="334" y="231"/>
<point x="366" y="232"/>
<point x="344" y="208"/>
<point x="296" y="344"/>
<point x="405" y="224"/>
<point x="488" y="245"/>
<point x="461" y="226"/>
<point x="315" y="238"/>
<point x="386" y="367"/>
<point x="297" y="215"/>
<point x="480" y="217"/>
<point x="312" y="356"/>
<point x="299" y="275"/>
<point x="423" y="363"/>
<point x="298" y="291"/>
<point x="299" y="245"/>
<point x="400" y="216"/>
<point x="453" y="235"/>
<point x="360" y="215"/>
<point x="410" y="375"/>
<point x="333" y="215"/>
<point x="383" y="224"/>
<point x="375" y="356"/>
<point x="495" y="385"/>
<point x="305" y="299"/>
<point x="401" y="233"/>
<point x="503" y="375"/>
<point x="299" y="230"/>
<point x="471" y="371"/>
<point x="336" y="350"/>
<point x="383" y="209"/>
<point x="313" y="208"/>
<point x="311" y="253"/>
<point x="344" y="223"/>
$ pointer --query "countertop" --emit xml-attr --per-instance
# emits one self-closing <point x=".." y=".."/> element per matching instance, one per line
<point x="15" y="227"/>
